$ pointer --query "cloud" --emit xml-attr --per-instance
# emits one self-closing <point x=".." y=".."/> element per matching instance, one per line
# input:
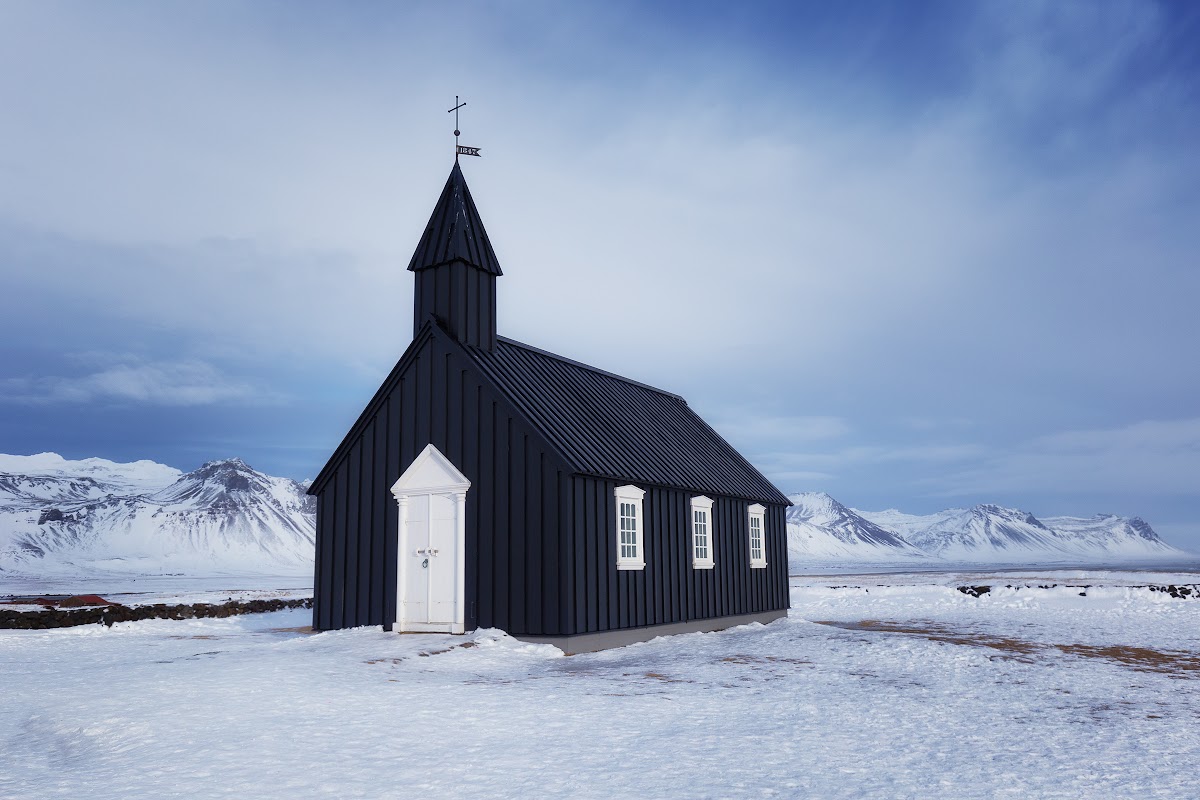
<point x="183" y="383"/>
<point x="795" y="428"/>
<point x="1152" y="457"/>
<point x="797" y="467"/>
<point x="770" y="216"/>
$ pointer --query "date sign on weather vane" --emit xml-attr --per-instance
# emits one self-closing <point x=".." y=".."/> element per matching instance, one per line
<point x="468" y="151"/>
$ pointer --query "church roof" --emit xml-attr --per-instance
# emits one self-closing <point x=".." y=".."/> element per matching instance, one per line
<point x="455" y="232"/>
<point x="613" y="427"/>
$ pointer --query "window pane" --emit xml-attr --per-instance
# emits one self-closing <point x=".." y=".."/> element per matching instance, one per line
<point x="627" y="526"/>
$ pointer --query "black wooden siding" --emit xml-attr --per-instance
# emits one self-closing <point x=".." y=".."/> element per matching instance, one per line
<point x="463" y="298"/>
<point x="669" y="589"/>
<point x="513" y="559"/>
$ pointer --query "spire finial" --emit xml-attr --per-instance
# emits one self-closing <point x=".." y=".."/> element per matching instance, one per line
<point x="459" y="150"/>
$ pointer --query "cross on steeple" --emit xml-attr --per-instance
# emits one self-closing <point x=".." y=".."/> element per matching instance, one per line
<point x="458" y="149"/>
<point x="457" y="106"/>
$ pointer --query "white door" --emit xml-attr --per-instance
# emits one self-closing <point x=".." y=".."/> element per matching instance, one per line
<point x="430" y="591"/>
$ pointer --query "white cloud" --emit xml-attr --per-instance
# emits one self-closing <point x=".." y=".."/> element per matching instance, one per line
<point x="750" y="427"/>
<point x="1157" y="458"/>
<point x="183" y="383"/>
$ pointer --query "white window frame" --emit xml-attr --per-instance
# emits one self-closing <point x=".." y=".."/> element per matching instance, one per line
<point x="630" y="495"/>
<point x="701" y="505"/>
<point x="757" y="513"/>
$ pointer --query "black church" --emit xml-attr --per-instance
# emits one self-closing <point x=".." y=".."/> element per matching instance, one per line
<point x="489" y="483"/>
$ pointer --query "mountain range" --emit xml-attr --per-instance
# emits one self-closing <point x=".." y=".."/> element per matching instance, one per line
<point x="96" y="516"/>
<point x="60" y="517"/>
<point x="820" y="529"/>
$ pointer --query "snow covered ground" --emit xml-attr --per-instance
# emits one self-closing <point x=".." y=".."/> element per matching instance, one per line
<point x="885" y="686"/>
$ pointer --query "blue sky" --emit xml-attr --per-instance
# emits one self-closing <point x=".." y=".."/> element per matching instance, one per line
<point x="917" y="255"/>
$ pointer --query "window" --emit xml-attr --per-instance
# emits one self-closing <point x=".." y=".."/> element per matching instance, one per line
<point x="629" y="527"/>
<point x="758" y="551"/>
<point x="702" y="533"/>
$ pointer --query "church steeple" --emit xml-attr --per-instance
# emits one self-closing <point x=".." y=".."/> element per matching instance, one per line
<point x="456" y="268"/>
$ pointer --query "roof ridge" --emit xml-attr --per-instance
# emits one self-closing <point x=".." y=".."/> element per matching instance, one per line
<point x="589" y="367"/>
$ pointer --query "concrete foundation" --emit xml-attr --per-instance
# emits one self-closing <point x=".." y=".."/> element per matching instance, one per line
<point x="603" y="640"/>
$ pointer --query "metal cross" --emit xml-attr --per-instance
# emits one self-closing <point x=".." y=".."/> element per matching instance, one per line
<point x="455" y="110"/>
<point x="458" y="149"/>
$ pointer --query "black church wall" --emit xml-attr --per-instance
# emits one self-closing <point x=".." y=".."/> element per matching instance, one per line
<point x="514" y="508"/>
<point x="462" y="297"/>
<point x="668" y="589"/>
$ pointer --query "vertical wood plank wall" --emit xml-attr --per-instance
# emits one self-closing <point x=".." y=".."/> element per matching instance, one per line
<point x="668" y="589"/>
<point x="508" y="584"/>
<point x="462" y="297"/>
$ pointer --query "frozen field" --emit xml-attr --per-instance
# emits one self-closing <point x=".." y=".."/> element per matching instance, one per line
<point x="891" y="686"/>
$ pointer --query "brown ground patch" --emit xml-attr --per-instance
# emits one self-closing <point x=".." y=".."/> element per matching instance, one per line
<point x="742" y="658"/>
<point x="1171" y="662"/>
<point x="658" y="676"/>
<point x="199" y="636"/>
<point x="1176" y="663"/>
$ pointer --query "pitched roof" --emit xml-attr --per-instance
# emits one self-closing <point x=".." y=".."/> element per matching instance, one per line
<point x="613" y="427"/>
<point x="455" y="232"/>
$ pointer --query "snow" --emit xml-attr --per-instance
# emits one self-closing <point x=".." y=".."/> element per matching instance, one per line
<point x="100" y="518"/>
<point x="822" y="530"/>
<point x="137" y="476"/>
<point x="1017" y="693"/>
<point x="993" y="534"/>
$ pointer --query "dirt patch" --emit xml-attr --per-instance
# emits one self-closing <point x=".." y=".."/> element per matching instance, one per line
<point x="1176" y="663"/>
<point x="296" y="629"/>
<point x="1171" y="662"/>
<point x="200" y="636"/>
<point x="422" y="654"/>
<point x="743" y="658"/>
<point x="658" y="676"/>
<point x="1185" y="591"/>
<point x="115" y="612"/>
<point x="60" y="601"/>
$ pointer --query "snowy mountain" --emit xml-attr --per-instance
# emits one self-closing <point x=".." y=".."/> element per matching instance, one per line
<point x="993" y="534"/>
<point x="822" y="529"/>
<point x="70" y="517"/>
<point x="1117" y="535"/>
<point x="50" y="477"/>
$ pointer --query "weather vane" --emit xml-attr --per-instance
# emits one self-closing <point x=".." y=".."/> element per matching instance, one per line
<point x="459" y="150"/>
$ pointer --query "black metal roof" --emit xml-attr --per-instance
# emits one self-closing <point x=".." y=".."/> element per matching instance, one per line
<point x="613" y="427"/>
<point x="455" y="232"/>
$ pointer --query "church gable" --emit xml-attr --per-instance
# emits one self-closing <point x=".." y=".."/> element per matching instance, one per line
<point x="436" y="396"/>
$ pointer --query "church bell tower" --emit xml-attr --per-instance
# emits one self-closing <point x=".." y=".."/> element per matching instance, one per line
<point x="456" y="269"/>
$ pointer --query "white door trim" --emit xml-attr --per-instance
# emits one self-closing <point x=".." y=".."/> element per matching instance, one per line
<point x="431" y="473"/>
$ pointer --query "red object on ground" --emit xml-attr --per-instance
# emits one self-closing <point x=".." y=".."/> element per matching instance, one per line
<point x="80" y="600"/>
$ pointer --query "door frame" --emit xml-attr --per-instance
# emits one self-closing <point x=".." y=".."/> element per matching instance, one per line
<point x="431" y="473"/>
